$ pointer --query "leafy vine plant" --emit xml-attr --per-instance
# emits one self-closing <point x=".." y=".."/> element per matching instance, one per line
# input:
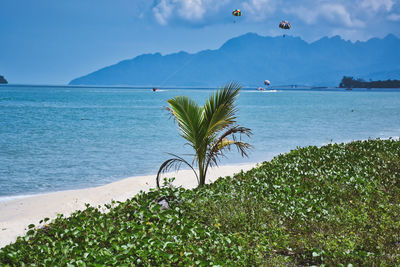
<point x="211" y="130"/>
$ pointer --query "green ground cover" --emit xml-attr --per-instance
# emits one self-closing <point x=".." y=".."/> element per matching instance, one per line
<point x="337" y="204"/>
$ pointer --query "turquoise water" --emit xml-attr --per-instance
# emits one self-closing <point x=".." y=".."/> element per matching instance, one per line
<point x="59" y="138"/>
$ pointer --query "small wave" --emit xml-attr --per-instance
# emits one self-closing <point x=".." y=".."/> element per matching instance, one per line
<point x="262" y="91"/>
<point x="391" y="137"/>
<point x="10" y="198"/>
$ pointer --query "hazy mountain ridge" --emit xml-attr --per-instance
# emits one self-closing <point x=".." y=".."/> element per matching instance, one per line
<point x="250" y="59"/>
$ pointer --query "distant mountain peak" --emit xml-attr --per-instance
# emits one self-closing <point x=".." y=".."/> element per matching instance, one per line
<point x="391" y="36"/>
<point x="248" y="37"/>
<point x="332" y="39"/>
<point x="336" y="37"/>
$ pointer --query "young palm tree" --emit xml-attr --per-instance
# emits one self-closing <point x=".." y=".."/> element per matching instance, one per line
<point x="210" y="130"/>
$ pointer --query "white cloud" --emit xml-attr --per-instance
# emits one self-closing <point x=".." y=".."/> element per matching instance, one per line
<point x="196" y="10"/>
<point x="338" y="13"/>
<point x="259" y="9"/>
<point x="375" y="5"/>
<point x="163" y="11"/>
<point x="189" y="10"/>
<point x="334" y="13"/>
<point x="352" y="19"/>
<point x="192" y="9"/>
<point x="394" y="17"/>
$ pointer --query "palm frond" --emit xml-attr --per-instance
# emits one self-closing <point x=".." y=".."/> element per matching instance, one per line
<point x="175" y="162"/>
<point x="220" y="109"/>
<point x="234" y="131"/>
<point x="223" y="143"/>
<point x="188" y="115"/>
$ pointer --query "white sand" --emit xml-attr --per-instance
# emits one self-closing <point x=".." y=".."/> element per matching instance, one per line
<point x="17" y="214"/>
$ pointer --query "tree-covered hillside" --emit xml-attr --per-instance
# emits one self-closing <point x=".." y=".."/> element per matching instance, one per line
<point x="350" y="82"/>
<point x="3" y="80"/>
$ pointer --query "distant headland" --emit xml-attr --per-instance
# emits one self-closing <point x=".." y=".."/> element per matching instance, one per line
<point x="3" y="80"/>
<point x="350" y="82"/>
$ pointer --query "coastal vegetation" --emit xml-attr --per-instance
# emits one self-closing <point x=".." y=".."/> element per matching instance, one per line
<point x="210" y="130"/>
<point x="337" y="205"/>
<point x="3" y="80"/>
<point x="350" y="82"/>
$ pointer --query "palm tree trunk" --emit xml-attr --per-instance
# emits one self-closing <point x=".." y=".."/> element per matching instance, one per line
<point x="202" y="173"/>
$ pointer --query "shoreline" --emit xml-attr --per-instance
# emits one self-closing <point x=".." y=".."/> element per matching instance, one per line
<point x="18" y="212"/>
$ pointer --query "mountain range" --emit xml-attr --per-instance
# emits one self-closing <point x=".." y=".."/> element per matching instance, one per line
<point x="251" y="58"/>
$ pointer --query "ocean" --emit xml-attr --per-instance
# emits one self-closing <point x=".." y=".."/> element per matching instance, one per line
<point x="55" y="138"/>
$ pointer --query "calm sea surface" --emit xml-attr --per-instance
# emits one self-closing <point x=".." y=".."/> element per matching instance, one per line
<point x="60" y="138"/>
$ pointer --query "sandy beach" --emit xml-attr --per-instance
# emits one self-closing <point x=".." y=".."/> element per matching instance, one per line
<point x="17" y="214"/>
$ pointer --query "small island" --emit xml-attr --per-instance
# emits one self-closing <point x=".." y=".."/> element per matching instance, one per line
<point x="3" y="80"/>
<point x="350" y="82"/>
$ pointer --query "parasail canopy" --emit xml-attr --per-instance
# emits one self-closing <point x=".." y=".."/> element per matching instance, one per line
<point x="266" y="82"/>
<point x="237" y="12"/>
<point x="284" y="24"/>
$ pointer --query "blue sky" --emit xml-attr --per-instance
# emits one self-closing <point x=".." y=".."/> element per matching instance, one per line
<point x="54" y="41"/>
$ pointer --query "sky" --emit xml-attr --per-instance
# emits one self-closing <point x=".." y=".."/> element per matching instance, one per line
<point x="55" y="41"/>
